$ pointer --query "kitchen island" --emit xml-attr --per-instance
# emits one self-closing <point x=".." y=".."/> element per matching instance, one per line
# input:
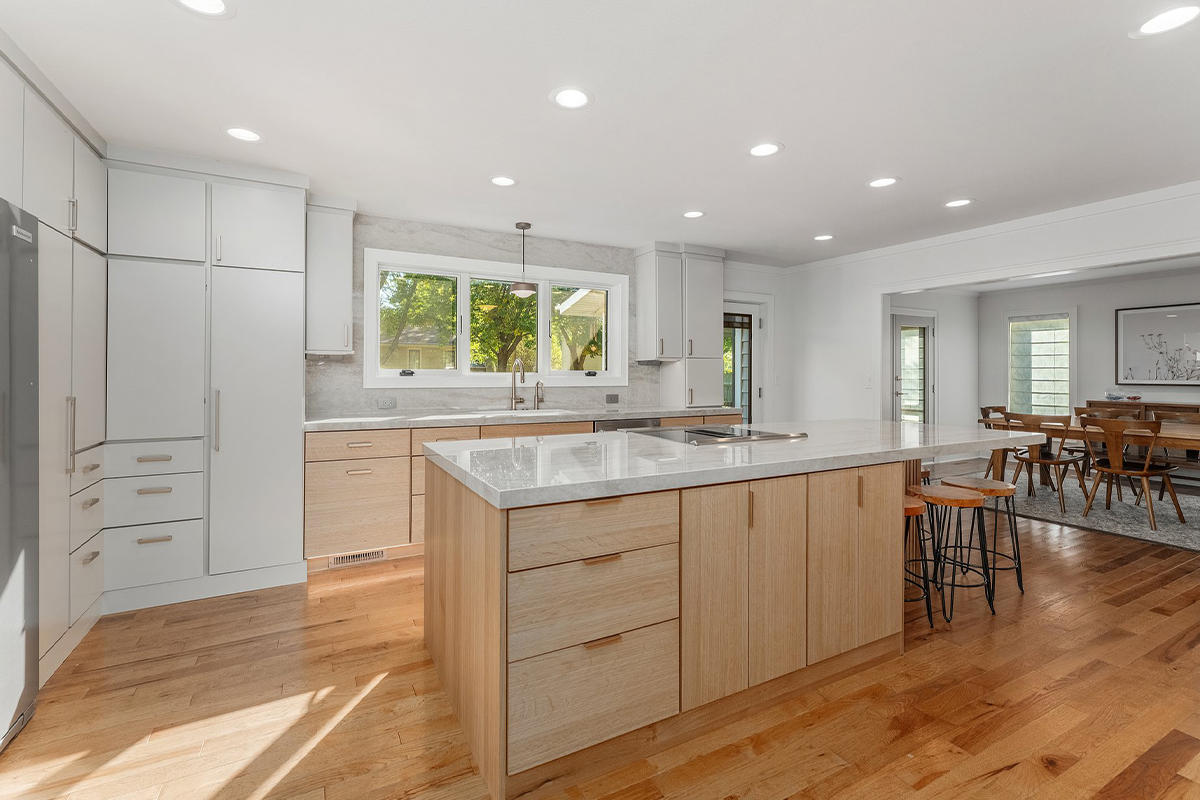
<point x="592" y="599"/>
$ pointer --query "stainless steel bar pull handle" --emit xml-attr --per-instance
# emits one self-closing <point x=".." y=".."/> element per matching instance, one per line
<point x="360" y="444"/>
<point x="217" y="421"/>
<point x="70" y="435"/>
<point x="347" y="336"/>
<point x="661" y="346"/>
<point x="151" y="459"/>
<point x="691" y="393"/>
<point x="90" y="468"/>
<point x="73" y="215"/>
<point x="689" y="347"/>
<point x="156" y="490"/>
<point x="91" y="501"/>
<point x="92" y="556"/>
<point x="155" y="539"/>
<point x="218" y="247"/>
<point x="359" y="471"/>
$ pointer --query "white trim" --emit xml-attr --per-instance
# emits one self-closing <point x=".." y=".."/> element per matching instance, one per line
<point x="205" y="166"/>
<point x="931" y="369"/>
<point x="42" y="86"/>
<point x="159" y="594"/>
<point x="617" y="329"/>
<point x="767" y="335"/>
<point x="61" y="650"/>
<point x="1072" y="313"/>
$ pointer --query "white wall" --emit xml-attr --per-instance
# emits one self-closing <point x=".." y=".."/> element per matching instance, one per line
<point x="956" y="354"/>
<point x="752" y="282"/>
<point x="1095" y="340"/>
<point x="837" y="303"/>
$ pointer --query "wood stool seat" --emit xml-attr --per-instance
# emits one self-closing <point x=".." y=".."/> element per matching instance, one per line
<point x="925" y="475"/>
<point x="913" y="507"/>
<point x="950" y="496"/>
<point x="985" y="486"/>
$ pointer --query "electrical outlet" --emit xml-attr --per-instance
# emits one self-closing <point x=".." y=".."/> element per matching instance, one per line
<point x="384" y="403"/>
<point x="612" y="398"/>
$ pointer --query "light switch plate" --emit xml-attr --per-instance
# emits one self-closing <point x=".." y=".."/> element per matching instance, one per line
<point x="384" y="403"/>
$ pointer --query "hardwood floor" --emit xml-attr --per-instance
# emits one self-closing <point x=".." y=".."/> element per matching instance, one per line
<point x="1086" y="686"/>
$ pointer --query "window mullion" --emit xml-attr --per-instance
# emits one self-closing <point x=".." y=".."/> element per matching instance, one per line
<point x="464" y="324"/>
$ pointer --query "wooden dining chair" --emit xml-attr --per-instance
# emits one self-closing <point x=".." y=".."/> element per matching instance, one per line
<point x="1190" y="458"/>
<point x="986" y="413"/>
<point x="1048" y="456"/>
<point x="1111" y="462"/>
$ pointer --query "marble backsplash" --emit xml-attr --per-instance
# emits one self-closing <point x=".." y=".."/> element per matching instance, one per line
<point x="334" y="384"/>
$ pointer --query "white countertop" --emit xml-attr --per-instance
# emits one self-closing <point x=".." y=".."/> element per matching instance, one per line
<point x="450" y="417"/>
<point x="532" y="471"/>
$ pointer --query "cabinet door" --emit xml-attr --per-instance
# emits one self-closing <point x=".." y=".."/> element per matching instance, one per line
<point x="703" y="317"/>
<point x="703" y="376"/>
<point x="833" y="553"/>
<point x="328" y="282"/>
<point x="881" y="553"/>
<point x="54" y="488"/>
<point x="47" y="180"/>
<point x="156" y="216"/>
<point x="258" y="226"/>
<point x="91" y="197"/>
<point x="778" y="573"/>
<point x="669" y="310"/>
<point x="89" y="312"/>
<point x="155" y="350"/>
<point x="713" y="593"/>
<point x="257" y="459"/>
<point x="12" y="134"/>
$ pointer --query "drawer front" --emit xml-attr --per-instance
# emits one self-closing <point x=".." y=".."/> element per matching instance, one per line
<point x="422" y="436"/>
<point x="87" y="514"/>
<point x="571" y="699"/>
<point x="418" y="475"/>
<point x="572" y="531"/>
<point x="535" y="429"/>
<point x="148" y="554"/>
<point x="338" y="445"/>
<point x="130" y="459"/>
<point x="153" y="498"/>
<point x="350" y="506"/>
<point x="418" y="519"/>
<point x="87" y="575"/>
<point x="723" y="419"/>
<point x="569" y="604"/>
<point x="89" y="468"/>
<point x="679" y="422"/>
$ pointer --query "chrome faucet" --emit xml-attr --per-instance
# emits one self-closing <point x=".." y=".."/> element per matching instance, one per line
<point x="515" y="401"/>
<point x="539" y="395"/>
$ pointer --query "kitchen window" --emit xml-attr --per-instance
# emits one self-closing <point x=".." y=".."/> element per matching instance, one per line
<point x="436" y="321"/>
<point x="1040" y="363"/>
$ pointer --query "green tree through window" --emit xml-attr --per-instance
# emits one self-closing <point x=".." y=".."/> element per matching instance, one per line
<point x="417" y="312"/>
<point x="503" y="327"/>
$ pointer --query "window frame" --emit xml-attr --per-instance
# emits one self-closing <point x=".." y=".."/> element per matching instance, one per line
<point x="1072" y="314"/>
<point x="466" y="269"/>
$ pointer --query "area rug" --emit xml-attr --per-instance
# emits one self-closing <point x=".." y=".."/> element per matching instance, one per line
<point x="1124" y="518"/>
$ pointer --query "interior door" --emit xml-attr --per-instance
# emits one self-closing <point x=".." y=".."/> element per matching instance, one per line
<point x="912" y="369"/>
<point x="89" y="312"/>
<point x="258" y="226"/>
<point x="257" y="447"/>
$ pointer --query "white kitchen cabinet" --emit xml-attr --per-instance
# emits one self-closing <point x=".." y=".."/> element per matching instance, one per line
<point x="91" y="197"/>
<point x="47" y="181"/>
<point x="156" y="339"/>
<point x="258" y="226"/>
<point x="329" y="282"/>
<point x="659" y="310"/>
<point x="12" y="134"/>
<point x="257" y="450"/>
<point x="703" y="378"/>
<point x="703" y="299"/>
<point x="89" y="312"/>
<point x="54" y="456"/>
<point x="87" y="576"/>
<point x="156" y="216"/>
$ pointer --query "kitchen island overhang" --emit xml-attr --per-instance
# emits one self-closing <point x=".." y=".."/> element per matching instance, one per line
<point x="594" y="598"/>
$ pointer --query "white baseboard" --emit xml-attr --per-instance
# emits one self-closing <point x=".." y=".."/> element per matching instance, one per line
<point x="161" y="594"/>
<point x="57" y="655"/>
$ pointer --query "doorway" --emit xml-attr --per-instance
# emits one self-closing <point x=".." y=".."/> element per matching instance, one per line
<point x="912" y="369"/>
<point x="742" y="370"/>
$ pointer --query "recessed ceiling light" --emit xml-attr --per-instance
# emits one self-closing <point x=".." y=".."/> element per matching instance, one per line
<point x="504" y="180"/>
<point x="213" y="9"/>
<point x="1166" y="21"/>
<point x="966" y="201"/>
<point x="571" y="98"/>
<point x="693" y="214"/>
<point x="765" y="149"/>
<point x="879" y="183"/>
<point x="824" y="237"/>
<point x="243" y="134"/>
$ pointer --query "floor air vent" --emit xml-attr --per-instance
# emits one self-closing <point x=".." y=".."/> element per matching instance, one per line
<point x="356" y="558"/>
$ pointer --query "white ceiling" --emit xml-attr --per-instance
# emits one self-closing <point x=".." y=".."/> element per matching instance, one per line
<point x="410" y="107"/>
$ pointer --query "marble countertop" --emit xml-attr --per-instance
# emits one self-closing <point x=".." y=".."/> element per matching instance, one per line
<point x="531" y="471"/>
<point x="450" y="417"/>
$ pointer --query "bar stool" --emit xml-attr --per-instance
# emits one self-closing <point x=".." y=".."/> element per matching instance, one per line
<point x="925" y="476"/>
<point x="996" y="490"/>
<point x="951" y="553"/>
<point x="914" y="553"/>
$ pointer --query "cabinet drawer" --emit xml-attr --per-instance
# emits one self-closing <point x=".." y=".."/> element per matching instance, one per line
<point x="89" y="468"/>
<point x="421" y="436"/>
<point x="336" y="445"/>
<point x="87" y="575"/>
<point x="130" y="459"/>
<point x="571" y="699"/>
<point x="418" y="519"/>
<point x="723" y="419"/>
<point x="87" y="514"/>
<point x="148" y="554"/>
<point x="573" y="531"/>
<point x="568" y="604"/>
<point x="153" y="498"/>
<point x="535" y="429"/>
<point x="350" y="506"/>
<point x="418" y="475"/>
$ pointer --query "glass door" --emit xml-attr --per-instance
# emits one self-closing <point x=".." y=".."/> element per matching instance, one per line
<point x="912" y="342"/>
<point x="738" y="370"/>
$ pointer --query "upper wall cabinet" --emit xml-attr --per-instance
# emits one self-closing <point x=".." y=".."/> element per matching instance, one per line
<point x="329" y="281"/>
<point x="155" y="216"/>
<point x="258" y="226"/>
<point x="659" y="306"/>
<point x="90" y="224"/>
<point x="12" y="135"/>
<point x="704" y="295"/>
<point x="48" y="181"/>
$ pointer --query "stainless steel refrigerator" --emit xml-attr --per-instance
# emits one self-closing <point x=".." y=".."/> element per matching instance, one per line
<point x="18" y="469"/>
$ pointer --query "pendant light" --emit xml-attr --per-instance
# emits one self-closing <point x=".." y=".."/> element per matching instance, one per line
<point x="523" y="288"/>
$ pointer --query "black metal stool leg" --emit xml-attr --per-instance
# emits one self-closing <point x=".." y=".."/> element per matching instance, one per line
<point x="1011" y="506"/>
